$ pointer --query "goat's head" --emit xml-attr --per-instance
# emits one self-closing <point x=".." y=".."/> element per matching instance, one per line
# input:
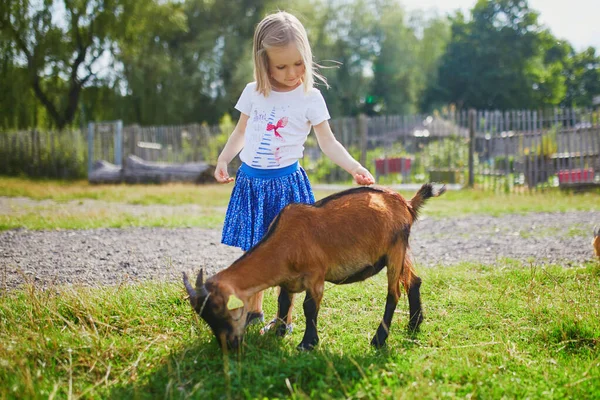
<point x="222" y="310"/>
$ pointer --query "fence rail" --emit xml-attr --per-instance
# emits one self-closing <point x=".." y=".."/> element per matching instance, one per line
<point x="492" y="149"/>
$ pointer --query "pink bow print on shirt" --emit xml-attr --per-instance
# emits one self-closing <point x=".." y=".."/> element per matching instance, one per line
<point x="280" y="124"/>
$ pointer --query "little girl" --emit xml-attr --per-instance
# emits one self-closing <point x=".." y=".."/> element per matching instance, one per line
<point x="277" y="113"/>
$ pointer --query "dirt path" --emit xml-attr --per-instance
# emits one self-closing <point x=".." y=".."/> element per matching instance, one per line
<point x="113" y="256"/>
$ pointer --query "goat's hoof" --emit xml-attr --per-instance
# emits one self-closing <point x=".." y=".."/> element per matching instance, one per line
<point x="254" y="318"/>
<point x="307" y="346"/>
<point x="377" y="343"/>
<point x="281" y="328"/>
<point x="413" y="328"/>
<point x="284" y="329"/>
<point x="415" y="323"/>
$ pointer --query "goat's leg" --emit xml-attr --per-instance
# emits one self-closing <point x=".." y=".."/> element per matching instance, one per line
<point x="412" y="284"/>
<point x="414" y="304"/>
<point x="384" y="327"/>
<point x="284" y="311"/>
<point x="311" y="306"/>
<point x="394" y="271"/>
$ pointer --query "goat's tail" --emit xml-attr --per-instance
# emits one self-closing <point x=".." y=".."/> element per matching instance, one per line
<point x="427" y="191"/>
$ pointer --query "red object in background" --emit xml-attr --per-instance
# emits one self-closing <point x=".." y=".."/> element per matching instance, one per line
<point x="394" y="165"/>
<point x="576" y="175"/>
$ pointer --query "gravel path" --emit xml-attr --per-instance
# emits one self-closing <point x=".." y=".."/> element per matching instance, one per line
<point x="114" y="256"/>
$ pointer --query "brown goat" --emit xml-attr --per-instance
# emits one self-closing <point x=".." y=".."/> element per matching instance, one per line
<point x="344" y="238"/>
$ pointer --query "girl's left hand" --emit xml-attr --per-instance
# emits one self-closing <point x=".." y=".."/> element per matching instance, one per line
<point x="362" y="176"/>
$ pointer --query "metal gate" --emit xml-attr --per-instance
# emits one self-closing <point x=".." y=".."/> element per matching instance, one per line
<point x="105" y="142"/>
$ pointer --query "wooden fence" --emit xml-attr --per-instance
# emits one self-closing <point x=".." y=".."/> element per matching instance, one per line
<point x="44" y="154"/>
<point x="492" y="149"/>
<point x="535" y="148"/>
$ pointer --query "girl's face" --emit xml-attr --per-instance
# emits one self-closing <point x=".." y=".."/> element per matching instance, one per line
<point x="286" y="67"/>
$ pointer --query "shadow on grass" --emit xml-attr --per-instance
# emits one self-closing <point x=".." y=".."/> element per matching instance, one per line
<point x="270" y="367"/>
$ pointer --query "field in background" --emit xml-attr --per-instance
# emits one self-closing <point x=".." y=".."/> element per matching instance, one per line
<point x="518" y="331"/>
<point x="78" y="205"/>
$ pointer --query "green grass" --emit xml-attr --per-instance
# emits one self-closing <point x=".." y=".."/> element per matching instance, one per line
<point x="168" y="194"/>
<point x="514" y="331"/>
<point x="49" y="218"/>
<point x="67" y="210"/>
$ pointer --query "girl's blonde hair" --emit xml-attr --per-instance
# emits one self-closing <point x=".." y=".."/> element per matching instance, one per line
<point x="279" y="30"/>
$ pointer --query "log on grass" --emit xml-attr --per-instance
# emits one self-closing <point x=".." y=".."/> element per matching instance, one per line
<point x="139" y="171"/>
<point x="105" y="172"/>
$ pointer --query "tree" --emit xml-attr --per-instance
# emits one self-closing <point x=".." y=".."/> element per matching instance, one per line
<point x="18" y="106"/>
<point x="582" y="74"/>
<point x="434" y="40"/>
<point x="395" y="68"/>
<point x="61" y="54"/>
<point x="493" y="60"/>
<point x="343" y="42"/>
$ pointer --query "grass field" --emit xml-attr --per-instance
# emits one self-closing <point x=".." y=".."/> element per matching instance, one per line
<point x="518" y="331"/>
<point x="181" y="205"/>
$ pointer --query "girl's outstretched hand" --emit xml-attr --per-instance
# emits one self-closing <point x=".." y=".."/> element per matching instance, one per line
<point x="362" y="176"/>
<point x="221" y="174"/>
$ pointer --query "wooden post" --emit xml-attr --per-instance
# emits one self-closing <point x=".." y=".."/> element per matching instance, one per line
<point x="90" y="138"/>
<point x="118" y="145"/>
<point x="131" y="134"/>
<point x="472" y="118"/>
<point x="194" y="131"/>
<point x="507" y="141"/>
<point x="363" y="132"/>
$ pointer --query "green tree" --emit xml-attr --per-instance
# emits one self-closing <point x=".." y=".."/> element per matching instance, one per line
<point x="19" y="108"/>
<point x="396" y="71"/>
<point x="343" y="42"/>
<point x="61" y="54"/>
<point x="152" y="76"/>
<point x="435" y="35"/>
<point x="494" y="59"/>
<point x="582" y="74"/>
<point x="194" y="65"/>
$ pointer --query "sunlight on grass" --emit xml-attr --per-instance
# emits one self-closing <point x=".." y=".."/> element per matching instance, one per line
<point x="516" y="331"/>
<point x="107" y="219"/>
<point x="167" y="194"/>
<point x="70" y="212"/>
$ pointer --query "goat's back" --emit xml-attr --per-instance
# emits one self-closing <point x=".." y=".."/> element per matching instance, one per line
<point x="356" y="226"/>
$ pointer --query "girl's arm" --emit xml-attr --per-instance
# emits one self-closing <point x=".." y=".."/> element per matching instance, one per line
<point x="234" y="145"/>
<point x="339" y="155"/>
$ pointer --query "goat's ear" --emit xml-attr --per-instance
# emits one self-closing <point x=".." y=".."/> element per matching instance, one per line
<point x="234" y="302"/>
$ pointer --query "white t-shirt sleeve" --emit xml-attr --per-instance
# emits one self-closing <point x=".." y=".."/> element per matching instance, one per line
<point x="244" y="103"/>
<point x="317" y="109"/>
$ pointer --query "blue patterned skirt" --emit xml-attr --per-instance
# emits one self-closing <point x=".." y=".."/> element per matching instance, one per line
<point x="257" y="197"/>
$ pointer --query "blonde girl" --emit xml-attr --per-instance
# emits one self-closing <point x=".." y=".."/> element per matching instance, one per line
<point x="277" y="111"/>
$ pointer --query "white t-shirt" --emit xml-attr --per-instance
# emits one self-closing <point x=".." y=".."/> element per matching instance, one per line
<point x="279" y="124"/>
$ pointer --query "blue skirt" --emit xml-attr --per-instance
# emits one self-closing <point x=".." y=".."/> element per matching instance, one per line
<point x="257" y="197"/>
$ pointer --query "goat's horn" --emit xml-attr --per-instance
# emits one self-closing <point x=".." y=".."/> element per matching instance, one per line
<point x="200" y="289"/>
<point x="200" y="279"/>
<point x="190" y="290"/>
